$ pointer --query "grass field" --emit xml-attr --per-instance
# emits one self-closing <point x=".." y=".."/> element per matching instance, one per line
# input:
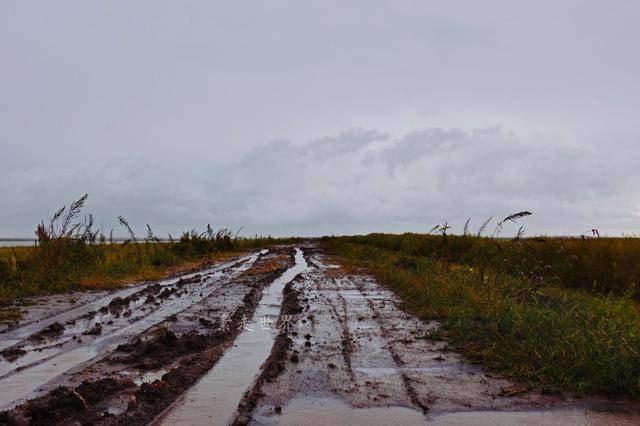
<point x="547" y="326"/>
<point x="71" y="255"/>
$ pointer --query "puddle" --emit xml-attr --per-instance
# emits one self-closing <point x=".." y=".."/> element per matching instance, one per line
<point x="330" y="411"/>
<point x="320" y="264"/>
<point x="41" y="367"/>
<point x="552" y="417"/>
<point x="149" y="377"/>
<point x="31" y="357"/>
<point x="14" y="336"/>
<point x="374" y="295"/>
<point x="380" y="372"/>
<point x="215" y="398"/>
<point x="18" y="386"/>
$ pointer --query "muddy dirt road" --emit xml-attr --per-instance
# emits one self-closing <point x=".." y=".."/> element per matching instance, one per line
<point x="279" y="336"/>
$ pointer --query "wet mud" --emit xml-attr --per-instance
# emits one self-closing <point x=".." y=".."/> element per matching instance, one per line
<point x="349" y="355"/>
<point x="181" y="343"/>
<point x="276" y="361"/>
<point x="215" y="398"/>
<point x="354" y="353"/>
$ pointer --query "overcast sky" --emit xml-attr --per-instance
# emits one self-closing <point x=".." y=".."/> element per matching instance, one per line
<point x="321" y="117"/>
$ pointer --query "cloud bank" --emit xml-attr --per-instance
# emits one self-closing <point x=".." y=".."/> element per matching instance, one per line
<point x="353" y="182"/>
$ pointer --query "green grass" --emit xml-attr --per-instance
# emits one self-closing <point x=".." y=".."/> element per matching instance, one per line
<point x="538" y="332"/>
<point x="600" y="265"/>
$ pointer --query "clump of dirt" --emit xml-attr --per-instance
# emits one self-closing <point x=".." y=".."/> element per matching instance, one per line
<point x="205" y="322"/>
<point x="166" y="293"/>
<point x="163" y="348"/>
<point x="275" y="364"/>
<point x="95" y="331"/>
<point x="192" y="280"/>
<point x="54" y="330"/>
<point x="13" y="354"/>
<point x="308" y="252"/>
<point x="117" y="304"/>
<point x="62" y="403"/>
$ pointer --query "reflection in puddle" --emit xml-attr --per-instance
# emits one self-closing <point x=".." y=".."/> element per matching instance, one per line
<point x="391" y="371"/>
<point x="51" y="362"/>
<point x="149" y="376"/>
<point x="214" y="399"/>
<point x="329" y="411"/>
<point x="21" y="384"/>
<point x="552" y="417"/>
<point x="29" y="358"/>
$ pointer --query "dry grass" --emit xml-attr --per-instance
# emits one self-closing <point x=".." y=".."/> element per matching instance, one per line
<point x="72" y="255"/>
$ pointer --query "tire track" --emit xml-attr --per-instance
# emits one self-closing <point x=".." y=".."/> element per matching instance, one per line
<point x="40" y="366"/>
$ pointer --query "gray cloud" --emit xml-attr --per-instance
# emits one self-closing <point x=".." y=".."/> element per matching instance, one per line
<point x="161" y="110"/>
<point x="356" y="181"/>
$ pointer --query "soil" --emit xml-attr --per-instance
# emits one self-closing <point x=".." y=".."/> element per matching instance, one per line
<point x="350" y="354"/>
<point x="179" y="343"/>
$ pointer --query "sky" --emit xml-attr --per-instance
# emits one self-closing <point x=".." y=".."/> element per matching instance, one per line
<point x="321" y="117"/>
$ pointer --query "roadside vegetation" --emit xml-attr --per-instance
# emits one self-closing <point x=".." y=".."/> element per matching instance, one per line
<point x="70" y="254"/>
<point x="558" y="314"/>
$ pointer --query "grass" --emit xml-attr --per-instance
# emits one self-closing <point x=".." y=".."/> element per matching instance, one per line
<point x="537" y="331"/>
<point x="602" y="265"/>
<point x="71" y="255"/>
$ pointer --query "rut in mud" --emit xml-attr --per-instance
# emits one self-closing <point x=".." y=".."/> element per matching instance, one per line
<point x="354" y="357"/>
<point x="214" y="399"/>
<point x="183" y="352"/>
<point x="170" y="333"/>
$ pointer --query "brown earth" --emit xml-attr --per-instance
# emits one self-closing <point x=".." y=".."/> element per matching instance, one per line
<point x="350" y="351"/>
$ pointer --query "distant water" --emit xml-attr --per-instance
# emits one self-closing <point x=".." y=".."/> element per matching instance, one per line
<point x="22" y="242"/>
<point x="8" y="242"/>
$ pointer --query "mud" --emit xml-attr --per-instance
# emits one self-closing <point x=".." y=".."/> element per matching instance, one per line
<point x="12" y="354"/>
<point x="214" y="399"/>
<point x="53" y="330"/>
<point x="350" y="355"/>
<point x="63" y="403"/>
<point x="276" y="362"/>
<point x="180" y="344"/>
<point x="356" y="358"/>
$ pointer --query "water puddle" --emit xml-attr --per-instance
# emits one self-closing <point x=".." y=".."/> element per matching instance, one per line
<point x="215" y="398"/>
<point x="31" y="357"/>
<point x="41" y="367"/>
<point x="16" y="387"/>
<point x="320" y="264"/>
<point x="358" y="295"/>
<point x="149" y="376"/>
<point x="552" y="417"/>
<point x="10" y="338"/>
<point x="330" y="411"/>
<point x="380" y="372"/>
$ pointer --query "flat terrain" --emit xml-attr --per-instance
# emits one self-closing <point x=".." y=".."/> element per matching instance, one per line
<point x="279" y="336"/>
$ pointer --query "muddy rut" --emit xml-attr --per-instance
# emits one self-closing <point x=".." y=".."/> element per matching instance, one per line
<point x="280" y="336"/>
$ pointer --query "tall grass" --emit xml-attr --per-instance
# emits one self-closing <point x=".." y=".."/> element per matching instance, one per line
<point x="541" y="333"/>
<point x="602" y="265"/>
<point x="71" y="254"/>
